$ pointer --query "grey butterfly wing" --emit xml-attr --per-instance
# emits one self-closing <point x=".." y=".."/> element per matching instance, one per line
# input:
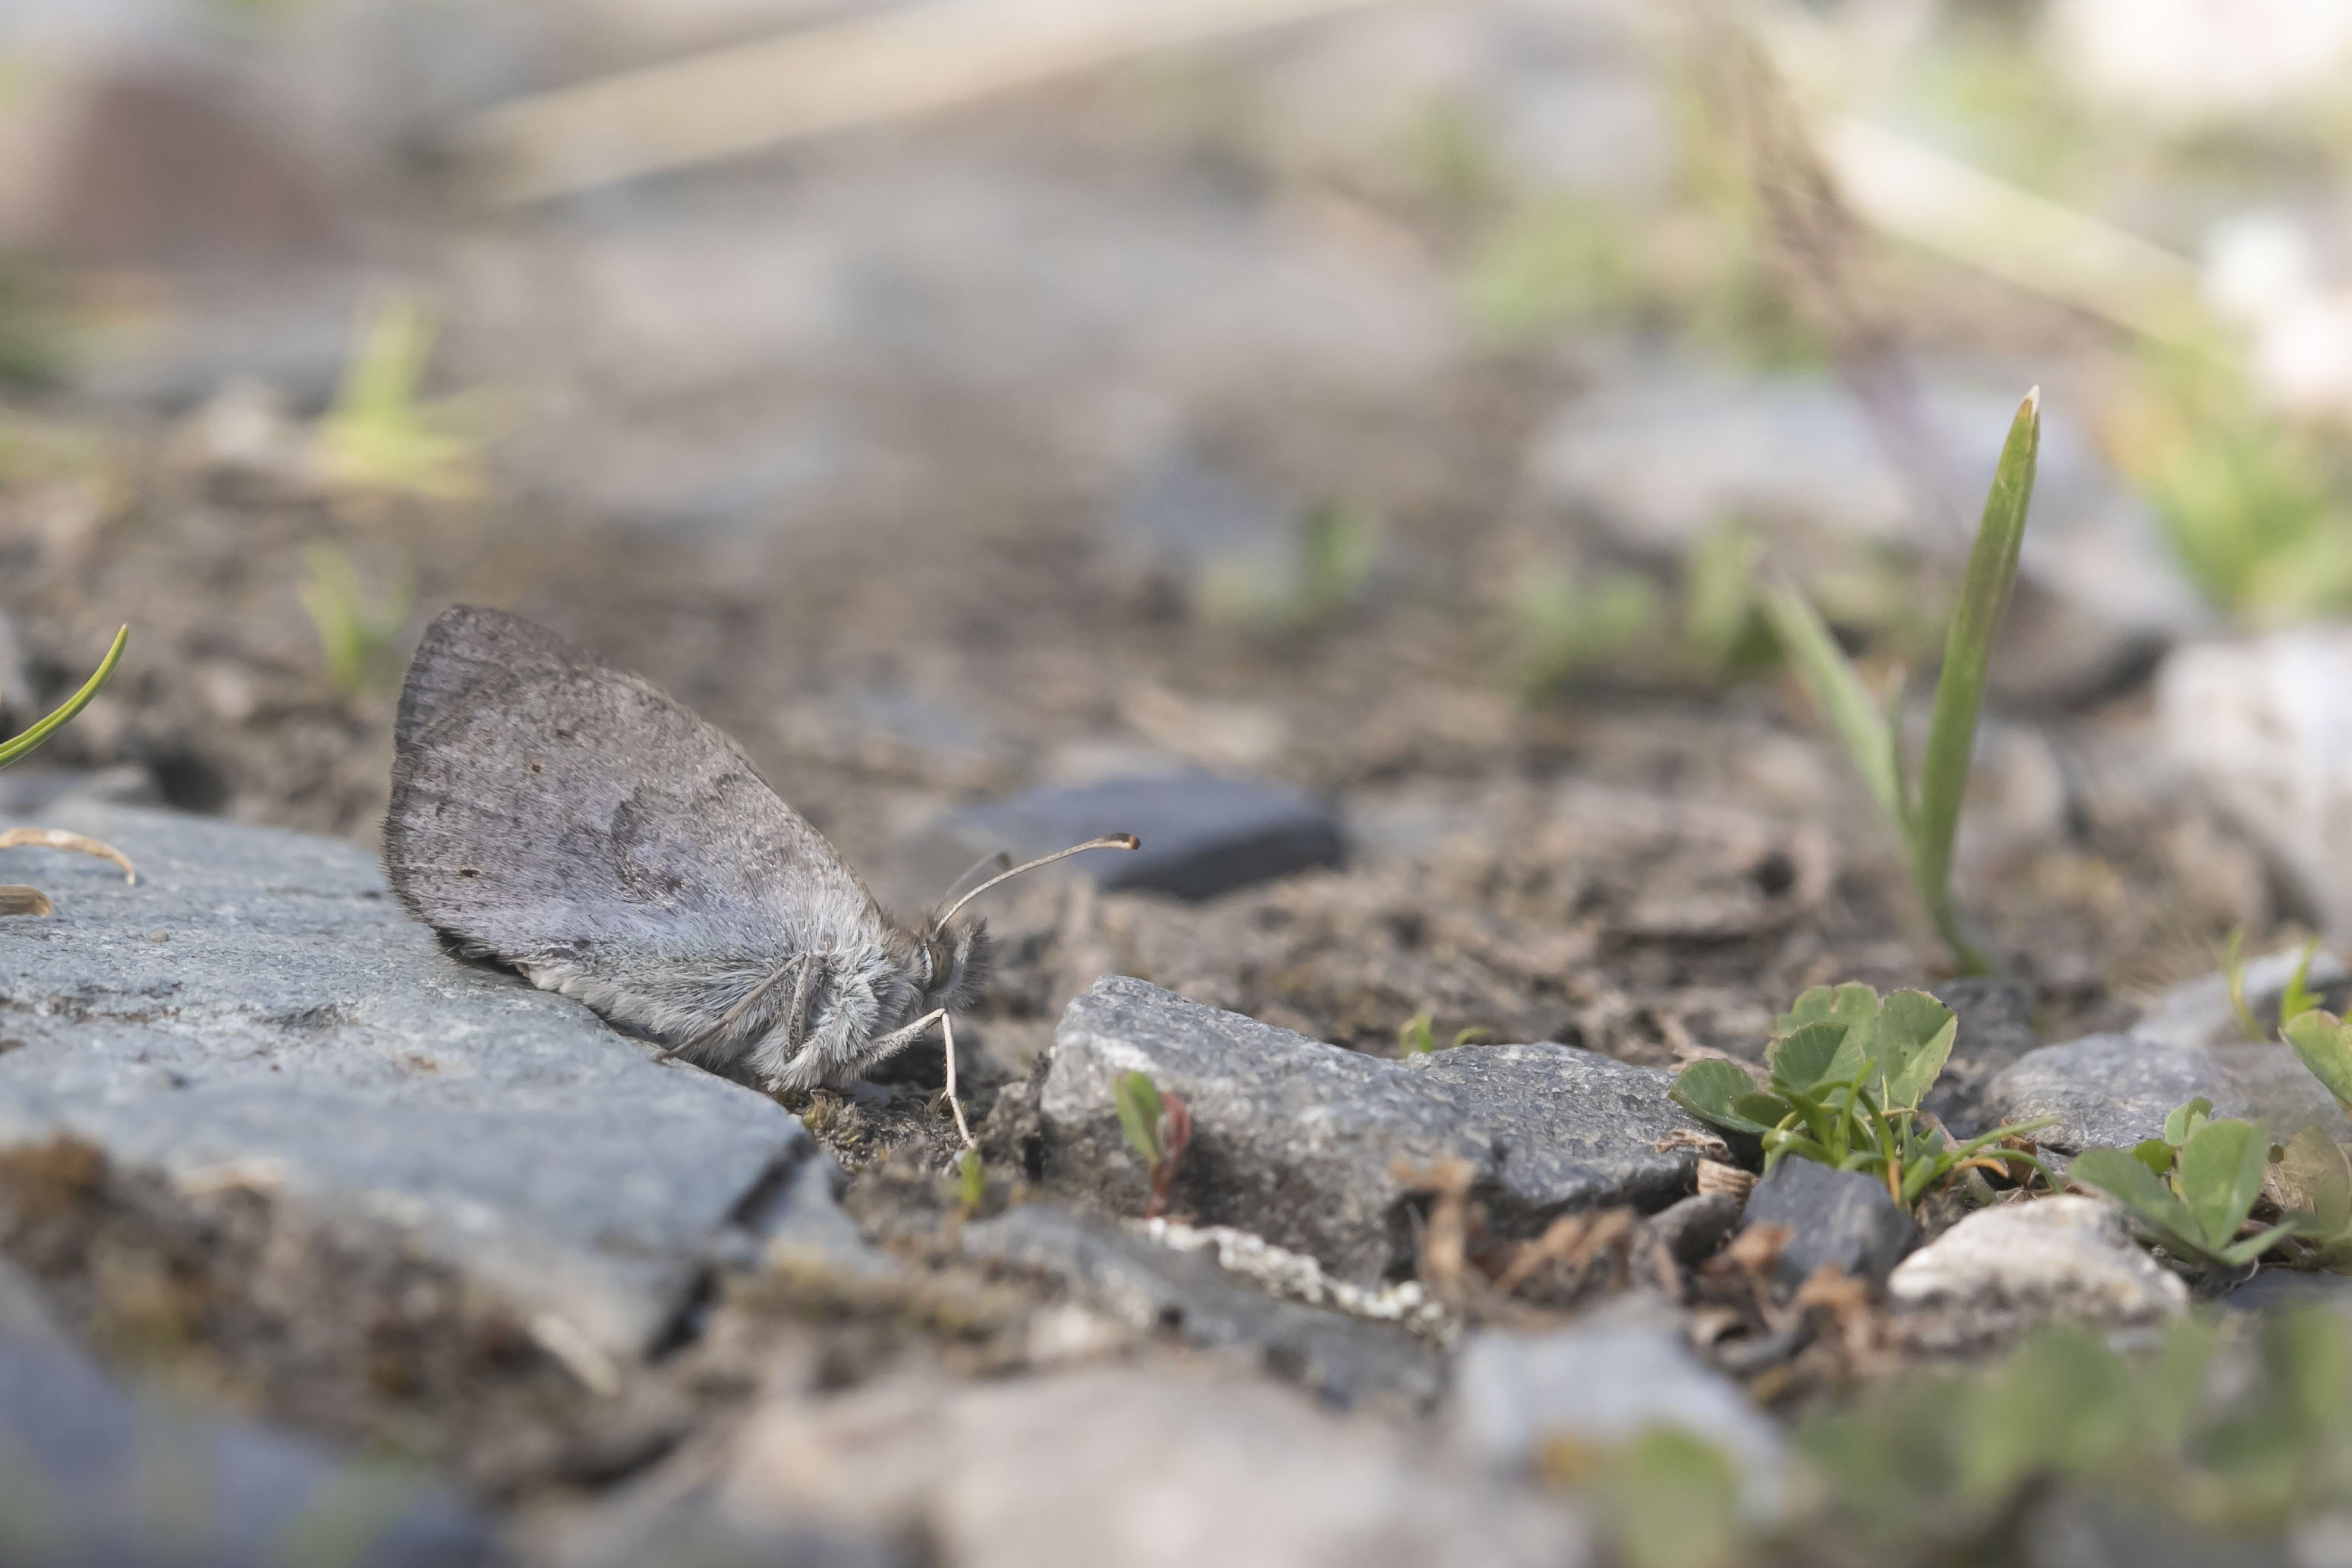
<point x="576" y="823"/>
<point x="464" y="644"/>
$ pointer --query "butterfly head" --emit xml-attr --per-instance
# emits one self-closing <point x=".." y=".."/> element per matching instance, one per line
<point x="948" y="963"/>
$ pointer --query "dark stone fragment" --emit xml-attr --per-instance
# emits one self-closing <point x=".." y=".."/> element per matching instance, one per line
<point x="1844" y="1217"/>
<point x="1202" y="834"/>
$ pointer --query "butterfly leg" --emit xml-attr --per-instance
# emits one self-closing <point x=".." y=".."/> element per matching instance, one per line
<point x="947" y="1033"/>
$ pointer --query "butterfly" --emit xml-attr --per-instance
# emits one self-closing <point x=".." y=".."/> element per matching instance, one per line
<point x="581" y="826"/>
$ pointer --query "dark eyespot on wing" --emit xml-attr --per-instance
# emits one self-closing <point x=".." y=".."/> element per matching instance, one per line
<point x="465" y="644"/>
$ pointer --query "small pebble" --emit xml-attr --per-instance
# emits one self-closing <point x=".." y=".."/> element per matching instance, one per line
<point x="159" y="936"/>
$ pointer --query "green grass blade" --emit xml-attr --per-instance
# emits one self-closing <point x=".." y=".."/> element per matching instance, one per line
<point x="1830" y="679"/>
<point x="11" y="749"/>
<point x="1967" y="656"/>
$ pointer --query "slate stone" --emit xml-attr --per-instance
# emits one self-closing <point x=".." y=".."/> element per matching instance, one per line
<point x="1844" y="1217"/>
<point x="1312" y="1146"/>
<point x="1996" y="1028"/>
<point x="1600" y="1384"/>
<point x="1151" y="1288"/>
<point x="259" y="1004"/>
<point x="2017" y="1266"/>
<point x="1149" y="1466"/>
<point x="98" y="1478"/>
<point x="2284" y="1290"/>
<point x="1202" y="834"/>
<point x="2110" y="1091"/>
<point x="2071" y="1529"/>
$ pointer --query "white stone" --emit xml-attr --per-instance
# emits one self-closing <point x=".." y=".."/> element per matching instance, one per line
<point x="2053" y="1258"/>
<point x="2265" y="724"/>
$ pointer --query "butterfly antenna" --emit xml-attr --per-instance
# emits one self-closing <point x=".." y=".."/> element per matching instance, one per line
<point x="985" y="865"/>
<point x="1107" y="841"/>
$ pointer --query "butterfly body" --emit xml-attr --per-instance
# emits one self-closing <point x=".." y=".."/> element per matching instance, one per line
<point x="578" y="824"/>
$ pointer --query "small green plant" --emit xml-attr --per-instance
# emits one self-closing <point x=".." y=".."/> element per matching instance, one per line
<point x="1847" y="1074"/>
<point x="1941" y="1469"/>
<point x="1927" y="818"/>
<point x="972" y="1180"/>
<point x="381" y="435"/>
<point x="16" y="898"/>
<point x="1417" y="1037"/>
<point x="1720" y="624"/>
<point x="2258" y="511"/>
<point x="2294" y="1002"/>
<point x="1159" y="1127"/>
<point x="1332" y="552"/>
<point x="1563" y="626"/>
<point x="2194" y="1188"/>
<point x="2298" y="998"/>
<point x="355" y="642"/>
<point x="1669" y="1498"/>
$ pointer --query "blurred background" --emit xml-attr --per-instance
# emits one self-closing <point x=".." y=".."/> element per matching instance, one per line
<point x="1391" y="406"/>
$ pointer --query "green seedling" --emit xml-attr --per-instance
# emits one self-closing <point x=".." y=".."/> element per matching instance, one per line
<point x="1159" y="1127"/>
<point x="2197" y="1192"/>
<point x="1417" y="1037"/>
<point x="2233" y="971"/>
<point x="1333" y="550"/>
<point x="1719" y="600"/>
<point x="16" y="898"/>
<point x="355" y="642"/>
<point x="381" y="435"/>
<point x="1847" y="1072"/>
<point x="2256" y="508"/>
<point x="972" y="1180"/>
<point x="2297" y="999"/>
<point x="1563" y="626"/>
<point x="1339" y="545"/>
<point x="1670" y="1498"/>
<point x="1926" y="819"/>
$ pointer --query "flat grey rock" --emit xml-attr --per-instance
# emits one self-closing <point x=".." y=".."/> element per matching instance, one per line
<point x="1152" y="1287"/>
<point x="258" y="1008"/>
<point x="1843" y="1218"/>
<point x="1140" y="1466"/>
<point x="1312" y="1146"/>
<point x="1601" y="1385"/>
<point x="85" y="1459"/>
<point x="2110" y="1091"/>
<point x="2065" y="1258"/>
<point x="1202" y="834"/>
